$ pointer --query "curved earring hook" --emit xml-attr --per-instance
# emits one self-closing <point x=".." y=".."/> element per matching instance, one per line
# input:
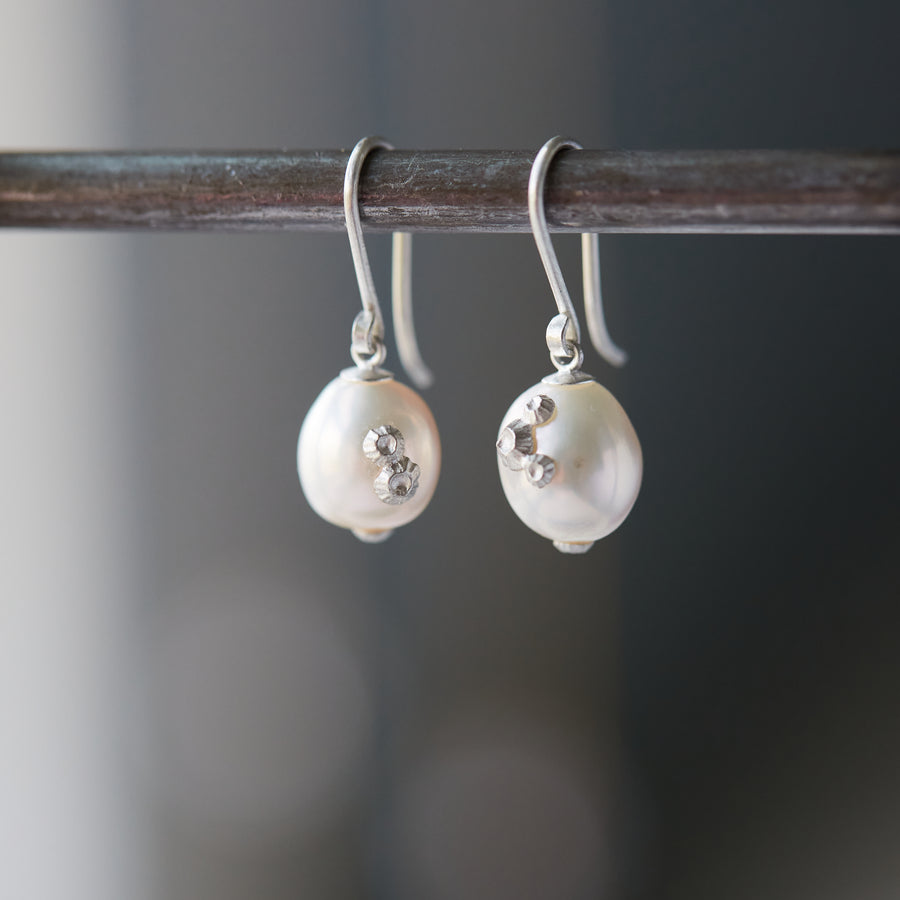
<point x="401" y="304"/>
<point x="564" y="333"/>
<point x="367" y="336"/>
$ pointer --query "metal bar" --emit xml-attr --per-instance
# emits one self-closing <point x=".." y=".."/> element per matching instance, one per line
<point x="735" y="191"/>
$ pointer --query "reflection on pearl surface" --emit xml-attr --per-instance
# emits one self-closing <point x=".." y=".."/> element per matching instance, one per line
<point x="597" y="464"/>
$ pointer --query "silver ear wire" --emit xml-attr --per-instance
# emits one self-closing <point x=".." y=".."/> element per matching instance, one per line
<point x="593" y="302"/>
<point x="564" y="333"/>
<point x="367" y="335"/>
<point x="367" y="340"/>
<point x="401" y="295"/>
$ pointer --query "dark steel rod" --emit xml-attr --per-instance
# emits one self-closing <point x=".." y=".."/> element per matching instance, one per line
<point x="736" y="191"/>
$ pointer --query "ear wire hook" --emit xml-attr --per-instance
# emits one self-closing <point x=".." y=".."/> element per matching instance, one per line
<point x="563" y="332"/>
<point x="401" y="296"/>
<point x="367" y="336"/>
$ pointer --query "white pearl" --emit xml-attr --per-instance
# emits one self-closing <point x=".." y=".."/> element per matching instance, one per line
<point x="337" y="458"/>
<point x="586" y="454"/>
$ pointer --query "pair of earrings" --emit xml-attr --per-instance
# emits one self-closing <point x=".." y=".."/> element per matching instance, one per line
<point x="369" y="453"/>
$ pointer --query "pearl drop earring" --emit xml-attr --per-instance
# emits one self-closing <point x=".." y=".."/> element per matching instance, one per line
<point x="570" y="461"/>
<point x="369" y="454"/>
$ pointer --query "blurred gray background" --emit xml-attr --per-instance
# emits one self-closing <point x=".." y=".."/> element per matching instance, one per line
<point x="703" y="706"/>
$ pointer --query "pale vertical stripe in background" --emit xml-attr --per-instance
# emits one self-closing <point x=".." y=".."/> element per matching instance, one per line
<point x="68" y="827"/>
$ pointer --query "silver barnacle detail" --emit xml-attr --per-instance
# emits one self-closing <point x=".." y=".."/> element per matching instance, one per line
<point x="399" y="476"/>
<point x="397" y="482"/>
<point x="540" y="470"/>
<point x="539" y="409"/>
<point x="517" y="445"/>
<point x="383" y="444"/>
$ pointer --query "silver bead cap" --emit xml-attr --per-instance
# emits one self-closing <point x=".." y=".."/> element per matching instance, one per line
<point x="573" y="548"/>
<point x="372" y="535"/>
<point x="564" y="377"/>
<point x="366" y="373"/>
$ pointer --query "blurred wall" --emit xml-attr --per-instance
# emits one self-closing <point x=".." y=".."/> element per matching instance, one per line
<point x="753" y="617"/>
<point x="474" y="692"/>
<point x="763" y="562"/>
<point x="703" y="705"/>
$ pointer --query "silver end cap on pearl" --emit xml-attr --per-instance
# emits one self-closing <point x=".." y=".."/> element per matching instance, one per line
<point x="366" y="373"/>
<point x="372" y="535"/>
<point x="571" y="547"/>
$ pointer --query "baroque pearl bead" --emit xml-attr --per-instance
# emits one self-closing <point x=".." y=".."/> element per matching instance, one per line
<point x="570" y="462"/>
<point x="369" y="454"/>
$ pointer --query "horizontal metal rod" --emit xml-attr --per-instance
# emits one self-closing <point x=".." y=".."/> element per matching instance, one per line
<point x="736" y="191"/>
